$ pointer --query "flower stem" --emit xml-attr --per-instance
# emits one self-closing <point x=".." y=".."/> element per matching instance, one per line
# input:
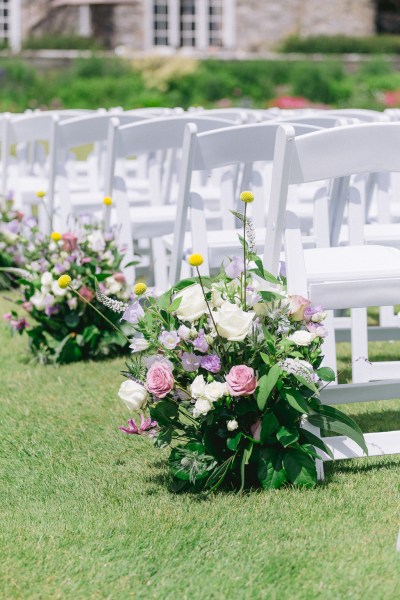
<point x="244" y="258"/>
<point x="99" y="313"/>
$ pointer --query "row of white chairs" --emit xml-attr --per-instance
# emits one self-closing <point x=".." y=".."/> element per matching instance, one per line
<point x="340" y="165"/>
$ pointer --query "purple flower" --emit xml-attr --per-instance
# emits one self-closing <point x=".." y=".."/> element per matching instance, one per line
<point x="51" y="310"/>
<point x="133" y="313"/>
<point x="59" y="269"/>
<point x="235" y="267"/>
<point x="312" y="310"/>
<point x="252" y="297"/>
<point x="211" y="363"/>
<point x="190" y="362"/>
<point x="157" y="358"/>
<point x="147" y="427"/>
<point x="282" y="268"/>
<point x="7" y="316"/>
<point x="317" y="328"/>
<point x="200" y="343"/>
<point x="169" y="339"/>
<point x="13" y="226"/>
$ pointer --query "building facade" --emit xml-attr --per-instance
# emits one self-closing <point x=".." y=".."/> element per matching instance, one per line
<point x="192" y="25"/>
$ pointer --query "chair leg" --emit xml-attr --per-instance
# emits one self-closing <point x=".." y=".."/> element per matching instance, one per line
<point x="329" y="345"/>
<point x="359" y="345"/>
<point x="387" y="317"/>
<point x="159" y="264"/>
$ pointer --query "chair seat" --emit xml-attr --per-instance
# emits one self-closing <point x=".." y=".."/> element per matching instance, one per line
<point x="353" y="276"/>
<point x="385" y="234"/>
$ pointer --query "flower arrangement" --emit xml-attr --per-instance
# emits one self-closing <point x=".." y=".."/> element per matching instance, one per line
<point x="229" y="371"/>
<point x="65" y="328"/>
<point x="17" y="233"/>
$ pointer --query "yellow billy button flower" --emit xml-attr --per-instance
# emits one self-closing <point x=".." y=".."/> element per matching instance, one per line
<point x="195" y="260"/>
<point x="107" y="200"/>
<point x="56" y="236"/>
<point x="247" y="197"/>
<point x="64" y="281"/>
<point x="139" y="289"/>
<point x="40" y="194"/>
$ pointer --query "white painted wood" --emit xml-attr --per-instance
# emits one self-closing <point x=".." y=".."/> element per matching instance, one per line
<point x="84" y="21"/>
<point x="15" y="26"/>
<point x="378" y="444"/>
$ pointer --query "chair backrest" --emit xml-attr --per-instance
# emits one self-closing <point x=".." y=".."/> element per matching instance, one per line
<point x="240" y="145"/>
<point x="152" y="136"/>
<point x="72" y="133"/>
<point x="327" y="154"/>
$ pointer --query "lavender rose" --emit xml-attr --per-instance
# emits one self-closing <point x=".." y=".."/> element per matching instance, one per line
<point x="241" y="381"/>
<point x="159" y="380"/>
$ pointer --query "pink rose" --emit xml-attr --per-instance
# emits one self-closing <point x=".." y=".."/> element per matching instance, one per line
<point x="241" y="381"/>
<point x="256" y="430"/>
<point x="297" y="306"/>
<point x="70" y="242"/>
<point x="120" y="277"/>
<point x="159" y="380"/>
<point x="86" y="293"/>
<point x="28" y="306"/>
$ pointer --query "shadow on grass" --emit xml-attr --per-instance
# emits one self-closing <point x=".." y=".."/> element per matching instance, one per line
<point x="348" y="466"/>
<point x="386" y="420"/>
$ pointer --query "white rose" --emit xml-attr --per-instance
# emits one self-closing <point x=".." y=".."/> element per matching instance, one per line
<point x="318" y="317"/>
<point x="215" y="390"/>
<point x="232" y="425"/>
<point x="202" y="407"/>
<point x="184" y="332"/>
<point x="57" y="291"/>
<point x="198" y="387"/>
<point x="96" y="241"/>
<point x="138" y="344"/>
<point x="232" y="322"/>
<point x="46" y="279"/>
<point x="301" y="338"/>
<point x="133" y="394"/>
<point x="113" y="286"/>
<point x="35" y="266"/>
<point x="38" y="300"/>
<point x="216" y="297"/>
<point x="193" y="304"/>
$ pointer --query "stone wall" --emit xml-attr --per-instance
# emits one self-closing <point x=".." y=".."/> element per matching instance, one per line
<point x="261" y="25"/>
<point x="129" y="26"/>
<point x="39" y="19"/>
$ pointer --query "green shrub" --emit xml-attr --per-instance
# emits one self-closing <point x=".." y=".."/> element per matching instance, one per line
<point x="318" y="82"/>
<point x="341" y="44"/>
<point x="61" y="42"/>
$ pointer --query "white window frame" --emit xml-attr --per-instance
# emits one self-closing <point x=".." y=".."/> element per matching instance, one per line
<point x="202" y="33"/>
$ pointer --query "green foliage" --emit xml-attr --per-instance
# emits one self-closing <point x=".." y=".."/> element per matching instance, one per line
<point x="86" y="512"/>
<point x="61" y="42"/>
<point x="342" y="44"/>
<point x="322" y="82"/>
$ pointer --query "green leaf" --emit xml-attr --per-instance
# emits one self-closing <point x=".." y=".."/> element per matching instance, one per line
<point x="332" y="420"/>
<point x="72" y="319"/>
<point x="296" y="400"/>
<point x="266" y="384"/>
<point x="175" y="304"/>
<point x="245" y="461"/>
<point x="300" y="468"/>
<point x="287" y="436"/>
<point x="103" y="276"/>
<point x="233" y="443"/>
<point x="261" y="272"/>
<point x="164" y="412"/>
<point x="307" y="384"/>
<point x="316" y="441"/>
<point x="326" y="374"/>
<point x="271" y="473"/>
<point x="269" y="426"/>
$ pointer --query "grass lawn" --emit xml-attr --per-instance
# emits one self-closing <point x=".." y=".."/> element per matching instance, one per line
<point x="86" y="512"/>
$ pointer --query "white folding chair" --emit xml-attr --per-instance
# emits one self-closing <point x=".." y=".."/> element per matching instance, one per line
<point x="354" y="276"/>
<point x="250" y="145"/>
<point x="157" y="138"/>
